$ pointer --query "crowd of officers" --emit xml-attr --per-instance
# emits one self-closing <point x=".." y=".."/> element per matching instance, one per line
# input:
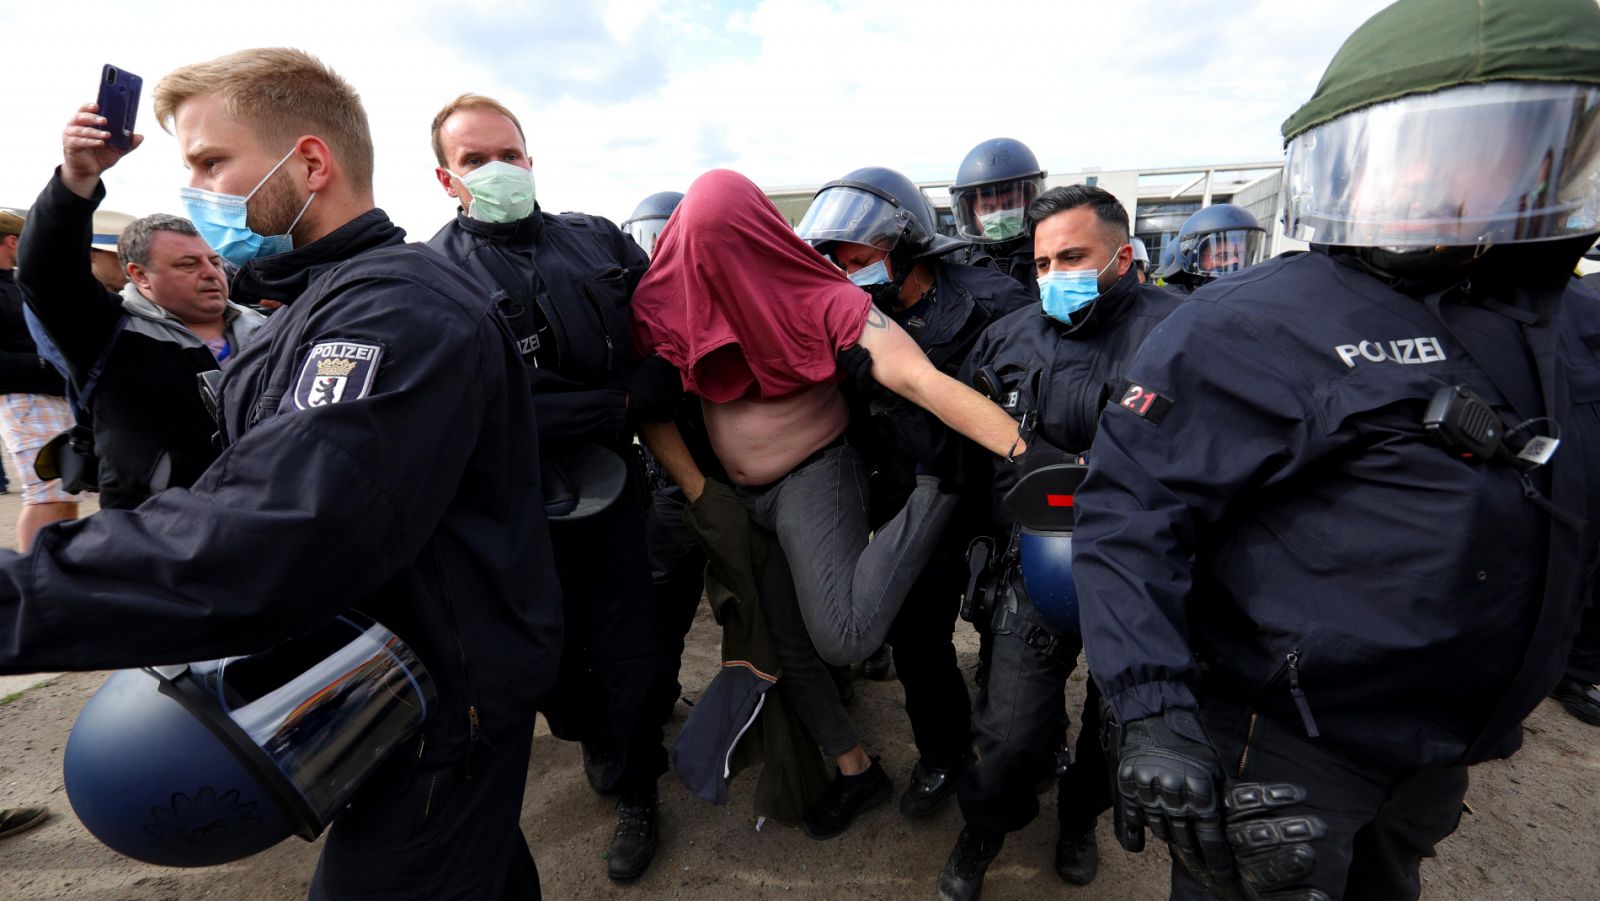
<point x="1307" y="605"/>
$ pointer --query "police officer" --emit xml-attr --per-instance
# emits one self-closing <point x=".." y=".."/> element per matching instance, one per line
<point x="993" y="187"/>
<point x="1141" y="259"/>
<point x="879" y="227"/>
<point x="1214" y="241"/>
<point x="1309" y="554"/>
<point x="1052" y="366"/>
<point x="374" y="441"/>
<point x="650" y="217"/>
<point x="567" y="281"/>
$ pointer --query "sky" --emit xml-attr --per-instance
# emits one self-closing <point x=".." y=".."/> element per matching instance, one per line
<point x="623" y="98"/>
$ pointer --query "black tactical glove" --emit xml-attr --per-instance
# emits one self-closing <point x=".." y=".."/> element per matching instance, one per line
<point x="653" y="387"/>
<point x="1039" y="454"/>
<point x="1272" y="851"/>
<point x="1169" y="781"/>
<point x="856" y="364"/>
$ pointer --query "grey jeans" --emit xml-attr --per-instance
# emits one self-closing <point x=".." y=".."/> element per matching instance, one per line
<point x="849" y="589"/>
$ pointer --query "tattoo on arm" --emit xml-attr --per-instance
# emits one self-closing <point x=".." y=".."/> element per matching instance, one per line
<point x="876" y="319"/>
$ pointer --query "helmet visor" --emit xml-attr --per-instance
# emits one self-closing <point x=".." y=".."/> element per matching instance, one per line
<point x="842" y="213"/>
<point x="995" y="212"/>
<point x="1221" y="252"/>
<point x="1493" y="163"/>
<point x="645" y="232"/>
<point x="324" y="708"/>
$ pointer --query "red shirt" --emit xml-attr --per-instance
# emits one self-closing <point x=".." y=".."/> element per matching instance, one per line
<point x="738" y="303"/>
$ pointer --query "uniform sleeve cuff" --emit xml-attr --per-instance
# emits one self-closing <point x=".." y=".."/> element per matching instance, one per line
<point x="1150" y="699"/>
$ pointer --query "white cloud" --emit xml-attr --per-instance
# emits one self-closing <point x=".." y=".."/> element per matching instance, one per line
<point x="627" y="97"/>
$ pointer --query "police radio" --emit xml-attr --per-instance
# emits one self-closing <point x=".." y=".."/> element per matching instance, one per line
<point x="1463" y="423"/>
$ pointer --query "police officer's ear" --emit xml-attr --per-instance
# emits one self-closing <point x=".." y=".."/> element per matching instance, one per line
<point x="322" y="166"/>
<point x="1122" y="261"/>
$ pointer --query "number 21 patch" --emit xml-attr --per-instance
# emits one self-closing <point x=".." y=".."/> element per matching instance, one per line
<point x="335" y="372"/>
<point x="1144" y="403"/>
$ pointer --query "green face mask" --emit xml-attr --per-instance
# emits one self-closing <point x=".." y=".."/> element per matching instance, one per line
<point x="501" y="192"/>
<point x="1002" y="225"/>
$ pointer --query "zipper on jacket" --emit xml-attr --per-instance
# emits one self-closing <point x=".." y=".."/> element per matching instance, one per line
<point x="1249" y="736"/>
<point x="600" y="314"/>
<point x="1299" y="696"/>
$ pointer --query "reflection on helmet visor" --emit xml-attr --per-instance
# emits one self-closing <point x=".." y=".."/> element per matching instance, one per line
<point x="1218" y="253"/>
<point x="1480" y="164"/>
<point x="645" y="233"/>
<point x="854" y="216"/>
<point x="976" y="207"/>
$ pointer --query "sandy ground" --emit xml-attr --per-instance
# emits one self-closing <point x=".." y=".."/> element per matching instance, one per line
<point x="1531" y="832"/>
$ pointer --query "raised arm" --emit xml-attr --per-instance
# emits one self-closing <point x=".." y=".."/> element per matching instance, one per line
<point x="900" y="365"/>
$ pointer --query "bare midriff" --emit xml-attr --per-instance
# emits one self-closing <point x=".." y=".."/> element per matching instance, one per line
<point x="761" y="441"/>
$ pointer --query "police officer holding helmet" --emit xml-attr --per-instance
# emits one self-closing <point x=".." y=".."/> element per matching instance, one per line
<point x="879" y="227"/>
<point x="993" y="187"/>
<point x="1339" y="531"/>
<point x="1052" y="366"/>
<point x="1213" y="242"/>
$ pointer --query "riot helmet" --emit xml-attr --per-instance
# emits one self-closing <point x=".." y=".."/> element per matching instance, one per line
<point x="205" y="763"/>
<point x="993" y="187"/>
<point x="880" y="209"/>
<point x="1492" y="137"/>
<point x="1141" y="255"/>
<point x="1043" y="503"/>
<point x="650" y="217"/>
<point x="1217" y="240"/>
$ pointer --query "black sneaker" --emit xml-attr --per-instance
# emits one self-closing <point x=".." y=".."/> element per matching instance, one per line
<point x="1581" y="699"/>
<point x="635" y="843"/>
<point x="600" y="767"/>
<point x="1077" y="856"/>
<point x="846" y="798"/>
<point x="876" y="667"/>
<point x="929" y="789"/>
<point x="962" y="876"/>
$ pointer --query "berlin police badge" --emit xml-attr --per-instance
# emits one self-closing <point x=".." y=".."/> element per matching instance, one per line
<point x="336" y="371"/>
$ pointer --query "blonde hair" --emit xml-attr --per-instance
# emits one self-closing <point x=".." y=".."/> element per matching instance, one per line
<point x="469" y="101"/>
<point x="281" y="93"/>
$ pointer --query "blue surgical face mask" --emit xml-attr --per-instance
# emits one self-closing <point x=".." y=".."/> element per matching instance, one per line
<point x="222" y="220"/>
<point x="876" y="274"/>
<point x="1065" y="292"/>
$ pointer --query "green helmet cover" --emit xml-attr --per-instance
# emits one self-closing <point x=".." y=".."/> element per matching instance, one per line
<point x="1420" y="46"/>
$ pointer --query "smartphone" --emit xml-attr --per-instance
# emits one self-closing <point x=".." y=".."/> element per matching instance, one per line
<point x="119" y="103"/>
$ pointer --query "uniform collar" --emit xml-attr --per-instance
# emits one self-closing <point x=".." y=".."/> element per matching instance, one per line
<point x="523" y="232"/>
<point x="285" y="276"/>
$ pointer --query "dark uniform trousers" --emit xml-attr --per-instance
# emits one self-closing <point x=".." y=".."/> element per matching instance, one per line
<point x="1016" y="731"/>
<point x="609" y="687"/>
<point x="677" y="578"/>
<point x="455" y="814"/>
<point x="925" y="656"/>
<point x="1382" y="821"/>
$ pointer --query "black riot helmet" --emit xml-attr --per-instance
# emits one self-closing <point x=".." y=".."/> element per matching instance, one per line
<point x="875" y="207"/>
<point x="650" y="217"/>
<point x="207" y="763"/>
<point x="993" y="188"/>
<point x="1217" y="240"/>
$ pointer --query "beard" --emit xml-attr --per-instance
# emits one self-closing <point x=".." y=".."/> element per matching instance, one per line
<point x="274" y="206"/>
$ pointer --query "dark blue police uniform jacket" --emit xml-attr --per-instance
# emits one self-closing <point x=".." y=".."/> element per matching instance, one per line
<point x="1264" y="493"/>
<point x="376" y="439"/>
<point x="1064" y="376"/>
<point x="567" y="284"/>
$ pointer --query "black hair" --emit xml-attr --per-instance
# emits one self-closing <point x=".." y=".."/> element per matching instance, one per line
<point x="1107" y="208"/>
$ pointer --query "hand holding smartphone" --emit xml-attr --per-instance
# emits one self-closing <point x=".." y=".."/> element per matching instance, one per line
<point x="119" y="104"/>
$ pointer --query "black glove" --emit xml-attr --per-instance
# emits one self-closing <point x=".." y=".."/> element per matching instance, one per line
<point x="1039" y="454"/>
<point x="653" y="387"/>
<point x="1272" y="851"/>
<point x="856" y="364"/>
<point x="1169" y="781"/>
